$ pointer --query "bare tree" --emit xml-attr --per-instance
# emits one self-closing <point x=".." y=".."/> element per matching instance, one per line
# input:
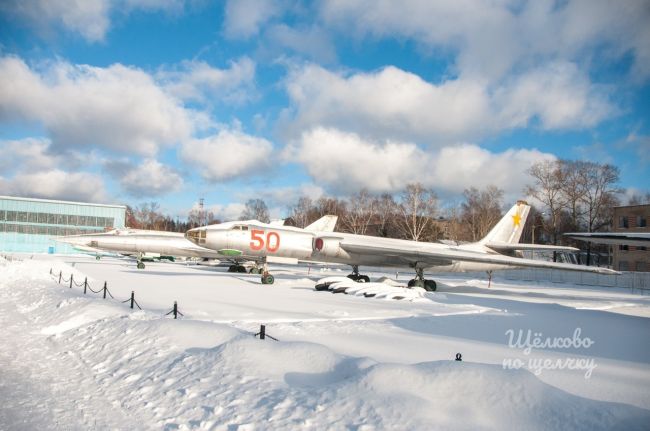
<point x="599" y="196"/>
<point x="329" y="206"/>
<point x="481" y="210"/>
<point x="196" y="218"/>
<point x="300" y="212"/>
<point x="417" y="208"/>
<point x="358" y="216"/>
<point x="548" y="177"/>
<point x="385" y="210"/>
<point x="255" y="209"/>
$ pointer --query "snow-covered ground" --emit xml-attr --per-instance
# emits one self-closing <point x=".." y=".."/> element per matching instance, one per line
<point x="71" y="361"/>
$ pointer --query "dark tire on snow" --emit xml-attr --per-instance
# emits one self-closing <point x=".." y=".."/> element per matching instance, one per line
<point x="268" y="279"/>
<point x="322" y="286"/>
<point x="364" y="279"/>
<point x="430" y="285"/>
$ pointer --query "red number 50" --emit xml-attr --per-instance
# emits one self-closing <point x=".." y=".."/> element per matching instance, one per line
<point x="257" y="240"/>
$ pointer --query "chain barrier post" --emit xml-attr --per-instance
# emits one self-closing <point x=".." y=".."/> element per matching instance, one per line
<point x="85" y="284"/>
<point x="60" y="275"/>
<point x="262" y="331"/>
<point x="132" y="299"/>
<point x="175" y="309"/>
<point x="71" y="278"/>
<point x="105" y="289"/>
<point x="50" y="271"/>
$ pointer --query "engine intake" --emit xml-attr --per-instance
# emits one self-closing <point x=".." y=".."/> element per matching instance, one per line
<point x="328" y="247"/>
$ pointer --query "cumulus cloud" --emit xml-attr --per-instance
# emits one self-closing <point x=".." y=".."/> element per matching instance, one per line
<point x="398" y="104"/>
<point x="89" y="18"/>
<point x="56" y="184"/>
<point x="228" y="154"/>
<point x="118" y="107"/>
<point x="198" y="81"/>
<point x="243" y="18"/>
<point x="30" y="155"/>
<point x="492" y="39"/>
<point x="345" y="163"/>
<point x="150" y="178"/>
<point x="227" y="212"/>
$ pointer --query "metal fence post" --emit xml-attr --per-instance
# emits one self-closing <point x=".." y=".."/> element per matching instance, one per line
<point x="85" y="284"/>
<point x="175" y="309"/>
<point x="71" y="276"/>
<point x="60" y="275"/>
<point x="132" y="298"/>
<point x="105" y="288"/>
<point x="262" y="332"/>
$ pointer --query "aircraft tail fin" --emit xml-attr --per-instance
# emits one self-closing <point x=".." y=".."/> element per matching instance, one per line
<point x="323" y="224"/>
<point x="509" y="229"/>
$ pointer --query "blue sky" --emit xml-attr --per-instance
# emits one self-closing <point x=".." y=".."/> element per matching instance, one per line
<point x="131" y="101"/>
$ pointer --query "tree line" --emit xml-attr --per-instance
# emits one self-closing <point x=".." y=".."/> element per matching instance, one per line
<point x="567" y="196"/>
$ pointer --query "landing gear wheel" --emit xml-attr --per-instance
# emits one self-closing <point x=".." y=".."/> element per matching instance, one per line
<point x="254" y="271"/>
<point x="416" y="283"/>
<point x="358" y="277"/>
<point x="267" y="279"/>
<point x="232" y="268"/>
<point x="140" y="265"/>
<point x="430" y="285"/>
<point x="241" y="268"/>
<point x="97" y="257"/>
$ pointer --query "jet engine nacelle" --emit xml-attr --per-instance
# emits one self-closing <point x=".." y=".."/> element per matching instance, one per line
<point x="329" y="247"/>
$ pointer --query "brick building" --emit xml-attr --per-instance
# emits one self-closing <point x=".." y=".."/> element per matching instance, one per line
<point x="633" y="218"/>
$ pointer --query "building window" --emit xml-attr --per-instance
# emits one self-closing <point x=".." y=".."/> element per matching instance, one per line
<point x="623" y="247"/>
<point x="623" y="265"/>
<point x="641" y="221"/>
<point x="642" y="266"/>
<point x="622" y="222"/>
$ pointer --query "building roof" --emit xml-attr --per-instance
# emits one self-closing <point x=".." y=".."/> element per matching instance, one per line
<point x="16" y="198"/>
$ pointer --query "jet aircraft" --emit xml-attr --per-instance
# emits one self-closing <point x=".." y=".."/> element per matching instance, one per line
<point x="142" y="243"/>
<point x="498" y="250"/>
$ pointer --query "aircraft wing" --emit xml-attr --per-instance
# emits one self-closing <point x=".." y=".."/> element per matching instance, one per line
<point x="426" y="256"/>
<point x="501" y="247"/>
<point x="640" y="239"/>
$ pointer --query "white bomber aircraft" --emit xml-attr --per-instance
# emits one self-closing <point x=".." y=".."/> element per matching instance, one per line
<point x="139" y="242"/>
<point x="496" y="251"/>
<point x="161" y="244"/>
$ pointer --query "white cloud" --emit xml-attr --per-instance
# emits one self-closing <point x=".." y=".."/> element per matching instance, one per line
<point x="118" y="107"/>
<point x="229" y="154"/>
<point x="345" y="163"/>
<point x="151" y="178"/>
<point x="492" y="39"/>
<point x="56" y="184"/>
<point x="30" y="154"/>
<point x="89" y="18"/>
<point x="198" y="81"/>
<point x="243" y="18"/>
<point x="227" y="212"/>
<point x="401" y="105"/>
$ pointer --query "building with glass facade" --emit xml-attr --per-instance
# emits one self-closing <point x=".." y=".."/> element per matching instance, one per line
<point x="29" y="225"/>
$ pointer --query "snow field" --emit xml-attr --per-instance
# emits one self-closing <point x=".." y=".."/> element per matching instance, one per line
<point x="79" y="362"/>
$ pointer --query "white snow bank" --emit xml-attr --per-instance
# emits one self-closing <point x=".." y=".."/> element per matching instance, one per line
<point x="184" y="374"/>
